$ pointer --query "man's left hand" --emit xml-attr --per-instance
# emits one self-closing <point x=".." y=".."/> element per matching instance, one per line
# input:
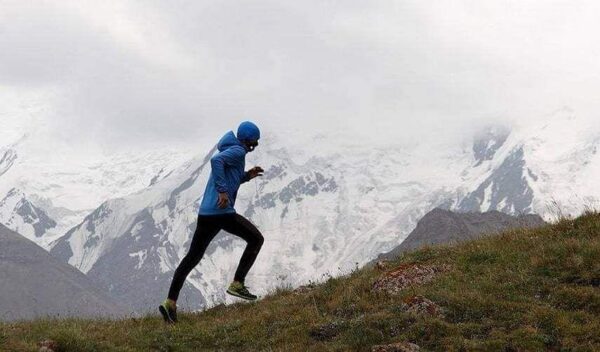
<point x="254" y="172"/>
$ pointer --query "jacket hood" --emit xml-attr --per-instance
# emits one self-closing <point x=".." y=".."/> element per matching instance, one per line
<point x="229" y="140"/>
<point x="248" y="131"/>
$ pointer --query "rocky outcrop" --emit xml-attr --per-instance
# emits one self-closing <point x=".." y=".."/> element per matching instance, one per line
<point x="7" y="160"/>
<point x="421" y="306"/>
<point x="407" y="275"/>
<point x="18" y="212"/>
<point x="396" y="347"/>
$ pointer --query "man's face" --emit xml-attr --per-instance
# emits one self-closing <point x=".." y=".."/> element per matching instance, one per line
<point x="251" y="145"/>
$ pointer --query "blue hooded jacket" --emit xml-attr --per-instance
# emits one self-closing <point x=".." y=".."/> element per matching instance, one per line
<point x="226" y="176"/>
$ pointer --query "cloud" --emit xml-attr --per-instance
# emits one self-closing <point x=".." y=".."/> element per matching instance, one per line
<point x="129" y="72"/>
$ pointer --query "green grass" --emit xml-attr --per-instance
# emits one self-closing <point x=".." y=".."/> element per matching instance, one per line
<point x="524" y="290"/>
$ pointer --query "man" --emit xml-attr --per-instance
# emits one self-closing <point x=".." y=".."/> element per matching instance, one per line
<point x="217" y="213"/>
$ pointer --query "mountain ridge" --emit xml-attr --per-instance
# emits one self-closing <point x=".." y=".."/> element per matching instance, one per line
<point x="33" y="284"/>
<point x="442" y="226"/>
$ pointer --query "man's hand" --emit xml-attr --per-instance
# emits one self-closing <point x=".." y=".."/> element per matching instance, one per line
<point x="254" y="172"/>
<point x="223" y="200"/>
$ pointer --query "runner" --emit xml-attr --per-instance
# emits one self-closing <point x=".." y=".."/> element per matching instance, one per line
<point x="217" y="213"/>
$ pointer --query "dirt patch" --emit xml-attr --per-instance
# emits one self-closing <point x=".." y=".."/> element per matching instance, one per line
<point x="396" y="347"/>
<point x="407" y="275"/>
<point x="381" y="265"/>
<point x="48" y="346"/>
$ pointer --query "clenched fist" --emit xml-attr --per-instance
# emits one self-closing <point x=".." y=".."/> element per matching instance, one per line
<point x="223" y="200"/>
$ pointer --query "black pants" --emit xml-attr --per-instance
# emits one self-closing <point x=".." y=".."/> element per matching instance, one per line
<point x="206" y="230"/>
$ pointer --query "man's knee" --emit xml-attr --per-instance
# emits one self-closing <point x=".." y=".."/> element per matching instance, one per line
<point x="258" y="241"/>
<point x="188" y="263"/>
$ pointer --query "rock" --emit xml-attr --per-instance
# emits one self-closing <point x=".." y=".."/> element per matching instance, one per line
<point x="420" y="305"/>
<point x="407" y="275"/>
<point x="396" y="347"/>
<point x="48" y="346"/>
<point x="304" y="289"/>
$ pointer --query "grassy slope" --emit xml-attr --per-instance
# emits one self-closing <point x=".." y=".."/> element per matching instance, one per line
<point x="525" y="290"/>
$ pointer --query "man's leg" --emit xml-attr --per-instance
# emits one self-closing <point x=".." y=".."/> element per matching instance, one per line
<point x="241" y="227"/>
<point x="206" y="229"/>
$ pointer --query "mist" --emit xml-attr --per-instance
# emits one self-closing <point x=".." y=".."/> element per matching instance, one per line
<point x="126" y="73"/>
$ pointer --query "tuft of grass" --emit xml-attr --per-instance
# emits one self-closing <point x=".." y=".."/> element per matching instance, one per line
<point x="523" y="290"/>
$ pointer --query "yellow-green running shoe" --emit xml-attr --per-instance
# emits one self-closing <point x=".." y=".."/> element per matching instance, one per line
<point x="239" y="290"/>
<point x="168" y="311"/>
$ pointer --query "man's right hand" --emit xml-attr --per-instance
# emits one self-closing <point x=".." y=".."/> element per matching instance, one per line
<point x="223" y="200"/>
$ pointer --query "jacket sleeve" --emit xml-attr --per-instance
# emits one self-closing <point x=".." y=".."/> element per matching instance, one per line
<point x="246" y="177"/>
<point x="229" y="157"/>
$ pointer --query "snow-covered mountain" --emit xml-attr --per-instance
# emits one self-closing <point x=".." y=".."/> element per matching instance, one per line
<point x="18" y="212"/>
<point x="546" y="168"/>
<point x="325" y="205"/>
<point x="46" y="189"/>
<point x="319" y="208"/>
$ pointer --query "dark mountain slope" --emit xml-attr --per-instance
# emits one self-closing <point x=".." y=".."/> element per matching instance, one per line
<point x="34" y="284"/>
<point x="441" y="226"/>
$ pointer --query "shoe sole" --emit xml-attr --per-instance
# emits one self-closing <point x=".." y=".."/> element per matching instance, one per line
<point x="166" y="315"/>
<point x="240" y="296"/>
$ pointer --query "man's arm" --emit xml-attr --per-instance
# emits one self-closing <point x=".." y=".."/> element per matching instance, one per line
<point x="252" y="173"/>
<point x="246" y="177"/>
<point x="231" y="156"/>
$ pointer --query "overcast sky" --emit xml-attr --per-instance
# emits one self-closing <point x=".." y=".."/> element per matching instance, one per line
<point x="139" y="72"/>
